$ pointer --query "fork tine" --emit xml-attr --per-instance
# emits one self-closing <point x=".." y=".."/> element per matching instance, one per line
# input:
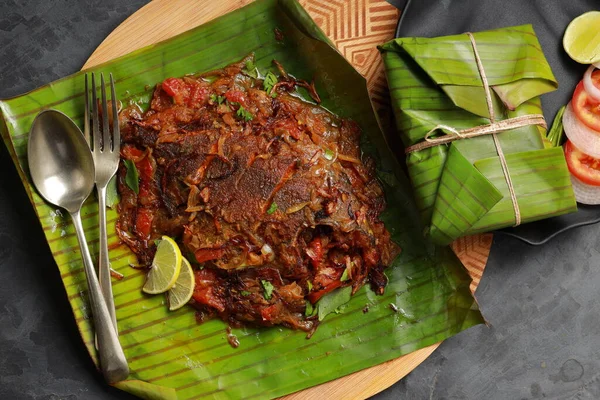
<point x="95" y="122"/>
<point x="116" y="142"/>
<point x="86" y="115"/>
<point x="105" y="128"/>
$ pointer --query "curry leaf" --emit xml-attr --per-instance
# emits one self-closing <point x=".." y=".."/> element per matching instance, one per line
<point x="132" y="176"/>
<point x="112" y="195"/>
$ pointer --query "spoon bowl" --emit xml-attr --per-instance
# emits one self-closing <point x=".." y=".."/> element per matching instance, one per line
<point x="60" y="163"/>
<point x="62" y="170"/>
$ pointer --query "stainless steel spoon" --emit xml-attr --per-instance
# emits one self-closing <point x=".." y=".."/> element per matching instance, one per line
<point x="62" y="169"/>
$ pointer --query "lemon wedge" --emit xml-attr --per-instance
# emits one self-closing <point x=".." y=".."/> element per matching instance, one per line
<point x="183" y="289"/>
<point x="582" y="38"/>
<point x="165" y="268"/>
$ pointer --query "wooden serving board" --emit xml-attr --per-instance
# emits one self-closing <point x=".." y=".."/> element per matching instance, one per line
<point x="356" y="27"/>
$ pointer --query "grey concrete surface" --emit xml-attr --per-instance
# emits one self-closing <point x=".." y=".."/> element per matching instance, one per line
<point x="542" y="303"/>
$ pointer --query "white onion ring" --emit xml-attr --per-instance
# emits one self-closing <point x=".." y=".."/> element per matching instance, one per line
<point x="583" y="137"/>
<point x="589" y="86"/>
<point x="584" y="193"/>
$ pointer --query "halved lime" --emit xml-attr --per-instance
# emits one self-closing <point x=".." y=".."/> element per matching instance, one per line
<point x="183" y="289"/>
<point x="165" y="268"/>
<point x="582" y="38"/>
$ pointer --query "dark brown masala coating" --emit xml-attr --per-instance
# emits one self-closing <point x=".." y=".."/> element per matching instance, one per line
<point x="262" y="192"/>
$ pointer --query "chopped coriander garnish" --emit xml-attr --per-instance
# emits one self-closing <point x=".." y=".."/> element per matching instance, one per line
<point x="217" y="99"/>
<point x="310" y="285"/>
<point x="268" y="289"/>
<point x="269" y="82"/>
<point x="329" y="154"/>
<point x="250" y="69"/>
<point x="245" y="293"/>
<point x="132" y="176"/>
<point x="272" y="208"/>
<point x="244" y="114"/>
<point x="345" y="276"/>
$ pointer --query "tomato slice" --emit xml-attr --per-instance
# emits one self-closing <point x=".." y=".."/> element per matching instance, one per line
<point x="316" y="256"/>
<point x="203" y="255"/>
<point x="131" y="153"/>
<point x="143" y="223"/>
<point x="314" y="296"/>
<point x="185" y="92"/>
<point x="583" y="167"/>
<point x="206" y="289"/>
<point x="173" y="86"/>
<point x="236" y="96"/>
<point x="586" y="108"/>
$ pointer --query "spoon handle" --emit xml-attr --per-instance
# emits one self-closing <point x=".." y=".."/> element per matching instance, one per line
<point x="112" y="358"/>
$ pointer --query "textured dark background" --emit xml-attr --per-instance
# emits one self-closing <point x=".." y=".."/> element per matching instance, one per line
<point x="542" y="303"/>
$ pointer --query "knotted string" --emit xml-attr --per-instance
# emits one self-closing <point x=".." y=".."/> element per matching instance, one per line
<point x="489" y="129"/>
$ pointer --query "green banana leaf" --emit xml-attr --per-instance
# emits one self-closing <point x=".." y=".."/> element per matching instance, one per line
<point x="460" y="188"/>
<point x="170" y="354"/>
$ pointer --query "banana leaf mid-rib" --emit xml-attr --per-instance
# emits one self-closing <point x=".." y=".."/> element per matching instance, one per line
<point x="460" y="188"/>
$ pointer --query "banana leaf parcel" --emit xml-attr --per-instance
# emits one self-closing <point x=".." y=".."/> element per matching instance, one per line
<point x="170" y="354"/>
<point x="437" y="88"/>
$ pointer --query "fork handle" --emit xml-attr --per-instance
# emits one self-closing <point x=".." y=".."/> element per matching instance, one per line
<point x="103" y="260"/>
<point x="112" y="358"/>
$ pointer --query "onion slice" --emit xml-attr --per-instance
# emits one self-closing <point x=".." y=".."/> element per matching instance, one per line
<point x="584" y="193"/>
<point x="589" y="86"/>
<point x="583" y="137"/>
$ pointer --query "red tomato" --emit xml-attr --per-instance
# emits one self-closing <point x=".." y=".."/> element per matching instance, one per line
<point x="188" y="92"/>
<point x="582" y="166"/>
<point x="131" y="153"/>
<point x="197" y="96"/>
<point x="236" y="96"/>
<point x="205" y="289"/>
<point x="143" y="222"/>
<point x="173" y="86"/>
<point x="586" y="108"/>
<point x="317" y="252"/>
<point x="203" y="255"/>
<point x="287" y="126"/>
<point x="271" y="312"/>
<point x="145" y="169"/>
<point x="314" y="296"/>
<point x="147" y="192"/>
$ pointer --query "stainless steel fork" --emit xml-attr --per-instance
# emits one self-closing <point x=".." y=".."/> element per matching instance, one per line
<point x="105" y="150"/>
